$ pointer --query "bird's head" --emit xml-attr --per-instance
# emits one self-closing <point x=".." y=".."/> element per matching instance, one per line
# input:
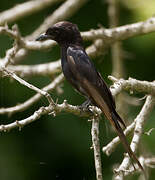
<point x="64" y="33"/>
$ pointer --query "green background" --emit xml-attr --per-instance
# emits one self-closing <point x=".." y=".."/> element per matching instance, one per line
<point x="58" y="148"/>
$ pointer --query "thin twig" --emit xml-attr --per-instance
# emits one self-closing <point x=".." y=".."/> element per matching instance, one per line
<point x="23" y="82"/>
<point x="21" y="123"/>
<point x="32" y="100"/>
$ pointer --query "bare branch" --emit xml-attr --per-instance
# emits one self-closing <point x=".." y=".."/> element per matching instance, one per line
<point x="32" y="100"/>
<point x="23" y="82"/>
<point x="132" y="85"/>
<point x="24" y="9"/>
<point x="96" y="147"/>
<point x="13" y="33"/>
<point x="10" y="54"/>
<point x="51" y="110"/>
<point x="37" y="114"/>
<point x="149" y="132"/>
<point x="122" y="32"/>
<point x="103" y="38"/>
<point x="35" y="70"/>
<point x="29" y="45"/>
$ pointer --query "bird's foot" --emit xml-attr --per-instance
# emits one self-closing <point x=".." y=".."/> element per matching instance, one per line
<point x="85" y="106"/>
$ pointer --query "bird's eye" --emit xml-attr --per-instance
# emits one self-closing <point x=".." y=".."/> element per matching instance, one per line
<point x="55" y="31"/>
<point x="48" y="31"/>
<point x="52" y="31"/>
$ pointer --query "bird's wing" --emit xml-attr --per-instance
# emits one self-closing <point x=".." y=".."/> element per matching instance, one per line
<point x="83" y="67"/>
<point x="86" y="74"/>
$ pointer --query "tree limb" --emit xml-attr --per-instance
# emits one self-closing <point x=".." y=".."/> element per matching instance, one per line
<point x="96" y="147"/>
<point x="21" y="10"/>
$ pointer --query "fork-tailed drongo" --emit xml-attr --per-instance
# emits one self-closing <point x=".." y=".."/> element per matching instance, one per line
<point x="82" y="74"/>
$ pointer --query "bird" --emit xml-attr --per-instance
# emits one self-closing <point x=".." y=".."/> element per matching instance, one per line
<point x="81" y="73"/>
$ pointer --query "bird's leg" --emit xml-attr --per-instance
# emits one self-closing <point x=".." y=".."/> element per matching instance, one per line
<point x="85" y="106"/>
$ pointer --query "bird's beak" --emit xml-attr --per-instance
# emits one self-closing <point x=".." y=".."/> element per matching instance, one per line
<point x="43" y="37"/>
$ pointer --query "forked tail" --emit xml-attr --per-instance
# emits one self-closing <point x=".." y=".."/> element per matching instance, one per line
<point x="124" y="140"/>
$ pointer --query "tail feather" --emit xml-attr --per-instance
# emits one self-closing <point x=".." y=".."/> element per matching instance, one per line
<point x="117" y="118"/>
<point x="123" y="138"/>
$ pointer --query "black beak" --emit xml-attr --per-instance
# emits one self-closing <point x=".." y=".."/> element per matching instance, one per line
<point x="43" y="37"/>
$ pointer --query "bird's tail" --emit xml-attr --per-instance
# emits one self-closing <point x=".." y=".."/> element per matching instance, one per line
<point x="115" y="119"/>
<point x="111" y="115"/>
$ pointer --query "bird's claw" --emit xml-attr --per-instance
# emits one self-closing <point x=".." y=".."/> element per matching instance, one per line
<point x="84" y="107"/>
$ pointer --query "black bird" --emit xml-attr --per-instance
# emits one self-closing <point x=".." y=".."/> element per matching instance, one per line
<point x="82" y="74"/>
